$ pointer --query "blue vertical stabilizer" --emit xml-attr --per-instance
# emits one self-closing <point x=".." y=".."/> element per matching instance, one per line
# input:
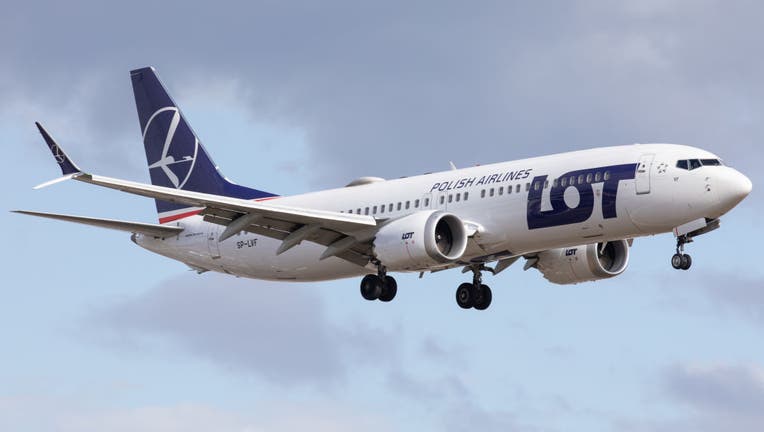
<point x="175" y="156"/>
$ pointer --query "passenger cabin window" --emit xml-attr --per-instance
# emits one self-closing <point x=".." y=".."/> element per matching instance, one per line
<point x="390" y="207"/>
<point x="399" y="206"/>
<point x="517" y="189"/>
<point x="382" y="208"/>
<point x="450" y="198"/>
<point x="597" y="176"/>
<point x="426" y="202"/>
<point x="416" y="203"/>
<point x="490" y="192"/>
<point x="482" y="193"/>
<point x="366" y="211"/>
<point x="442" y="199"/>
<point x="466" y="195"/>
<point x="407" y="204"/>
<point x="374" y="210"/>
<point x="459" y="195"/>
<point x="501" y="190"/>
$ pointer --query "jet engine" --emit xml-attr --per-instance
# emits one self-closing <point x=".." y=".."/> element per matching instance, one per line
<point x="584" y="263"/>
<point x="421" y="240"/>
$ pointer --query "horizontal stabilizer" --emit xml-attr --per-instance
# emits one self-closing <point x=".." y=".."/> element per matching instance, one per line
<point x="134" y="227"/>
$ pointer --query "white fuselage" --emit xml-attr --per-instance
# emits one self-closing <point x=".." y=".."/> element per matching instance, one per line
<point x="510" y="204"/>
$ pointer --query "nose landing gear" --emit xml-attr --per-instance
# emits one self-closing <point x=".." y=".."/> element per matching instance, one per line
<point x="681" y="260"/>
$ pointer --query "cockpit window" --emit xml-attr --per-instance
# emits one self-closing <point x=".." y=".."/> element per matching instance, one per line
<point x="710" y="162"/>
<point x="691" y="164"/>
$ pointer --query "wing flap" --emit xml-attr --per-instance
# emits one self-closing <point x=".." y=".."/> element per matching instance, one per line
<point x="161" y="231"/>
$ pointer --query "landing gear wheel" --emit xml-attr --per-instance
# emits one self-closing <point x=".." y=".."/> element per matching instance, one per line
<point x="389" y="289"/>
<point x="371" y="287"/>
<point x="686" y="262"/>
<point x="676" y="261"/>
<point x="465" y="295"/>
<point x="483" y="298"/>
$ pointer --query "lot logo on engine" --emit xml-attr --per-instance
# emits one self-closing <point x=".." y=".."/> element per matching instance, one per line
<point x="582" y="181"/>
<point x="407" y="235"/>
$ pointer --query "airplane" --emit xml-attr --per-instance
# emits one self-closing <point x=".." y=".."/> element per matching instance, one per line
<point x="572" y="216"/>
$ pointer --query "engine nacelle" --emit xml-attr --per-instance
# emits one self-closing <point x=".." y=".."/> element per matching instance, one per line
<point x="421" y="240"/>
<point x="584" y="263"/>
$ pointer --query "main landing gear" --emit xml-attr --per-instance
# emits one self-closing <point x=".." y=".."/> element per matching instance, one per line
<point x="475" y="294"/>
<point x="681" y="260"/>
<point x="379" y="286"/>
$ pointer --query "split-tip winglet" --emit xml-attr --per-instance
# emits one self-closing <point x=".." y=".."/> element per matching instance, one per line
<point x="68" y="168"/>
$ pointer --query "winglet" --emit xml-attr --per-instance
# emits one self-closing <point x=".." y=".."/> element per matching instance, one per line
<point x="67" y="166"/>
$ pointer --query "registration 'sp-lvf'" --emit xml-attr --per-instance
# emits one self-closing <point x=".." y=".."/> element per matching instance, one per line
<point x="572" y="216"/>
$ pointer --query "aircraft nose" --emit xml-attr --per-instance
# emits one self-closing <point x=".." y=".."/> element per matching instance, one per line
<point x="736" y="187"/>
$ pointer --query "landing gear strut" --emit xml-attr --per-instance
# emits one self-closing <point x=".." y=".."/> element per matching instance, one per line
<point x="681" y="260"/>
<point x="475" y="294"/>
<point x="379" y="286"/>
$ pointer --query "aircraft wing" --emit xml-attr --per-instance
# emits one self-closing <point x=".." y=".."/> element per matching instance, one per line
<point x="347" y="236"/>
<point x="153" y="230"/>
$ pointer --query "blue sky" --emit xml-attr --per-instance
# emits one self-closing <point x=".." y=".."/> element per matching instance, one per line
<point x="296" y="96"/>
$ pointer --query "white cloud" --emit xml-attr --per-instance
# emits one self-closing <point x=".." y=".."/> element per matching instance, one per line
<point x="45" y="413"/>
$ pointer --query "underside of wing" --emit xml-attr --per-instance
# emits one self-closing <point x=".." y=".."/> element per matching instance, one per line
<point x="360" y="252"/>
<point x="159" y="231"/>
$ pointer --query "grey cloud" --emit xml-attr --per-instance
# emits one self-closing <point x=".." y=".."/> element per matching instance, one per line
<point x="275" y="331"/>
<point x="388" y="90"/>
<point x="727" y="389"/>
<point x="720" y="398"/>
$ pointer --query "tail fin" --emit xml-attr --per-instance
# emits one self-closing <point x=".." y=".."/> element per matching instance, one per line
<point x="174" y="154"/>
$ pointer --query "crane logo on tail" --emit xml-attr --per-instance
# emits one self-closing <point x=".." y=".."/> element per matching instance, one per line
<point x="57" y="153"/>
<point x="177" y="156"/>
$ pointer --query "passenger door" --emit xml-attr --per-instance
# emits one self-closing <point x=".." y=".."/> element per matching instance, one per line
<point x="642" y="176"/>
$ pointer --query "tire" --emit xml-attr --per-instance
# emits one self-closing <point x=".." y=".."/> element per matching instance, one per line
<point x="483" y="299"/>
<point x="465" y="295"/>
<point x="371" y="287"/>
<point x="686" y="262"/>
<point x="389" y="289"/>
<point x="676" y="261"/>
